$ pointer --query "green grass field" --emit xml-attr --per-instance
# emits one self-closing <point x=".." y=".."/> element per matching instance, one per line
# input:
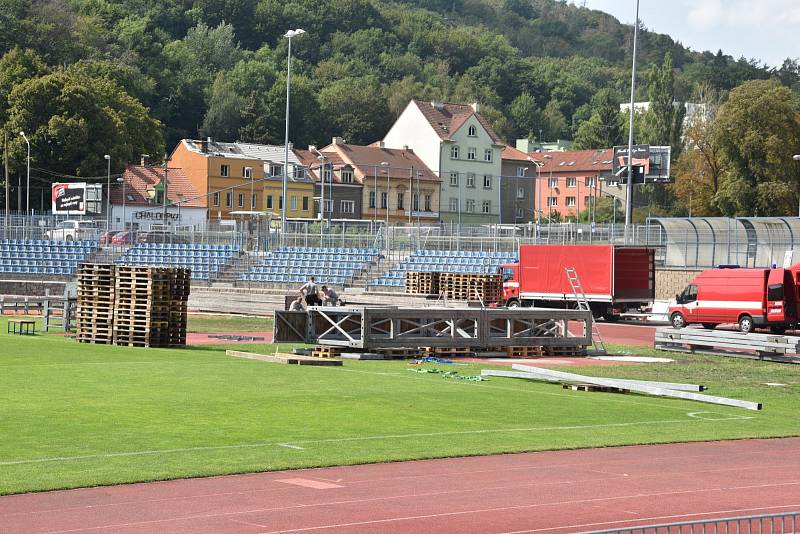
<point x="79" y="415"/>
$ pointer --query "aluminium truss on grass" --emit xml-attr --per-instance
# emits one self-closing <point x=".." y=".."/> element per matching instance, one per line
<point x="367" y="328"/>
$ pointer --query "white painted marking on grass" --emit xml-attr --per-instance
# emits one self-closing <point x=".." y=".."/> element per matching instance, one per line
<point x="341" y="440"/>
<point x="719" y="416"/>
<point x="288" y="446"/>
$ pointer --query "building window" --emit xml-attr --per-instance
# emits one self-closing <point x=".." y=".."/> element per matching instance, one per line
<point x="275" y="170"/>
<point x="328" y="206"/>
<point x="587" y="201"/>
<point x="348" y="206"/>
<point x="589" y="181"/>
<point x="487" y="181"/>
<point x="428" y="202"/>
<point x="520" y="213"/>
<point x="572" y="182"/>
<point x="305" y="203"/>
<point x="552" y="183"/>
<point x="299" y="172"/>
<point x="347" y="177"/>
<point x="247" y="172"/>
<point x="372" y="199"/>
<point x="470" y="205"/>
<point x="521" y="171"/>
<point x="487" y="206"/>
<point x="471" y="179"/>
<point x="269" y="202"/>
<point x="571" y="202"/>
<point x="415" y="202"/>
<point x="253" y="201"/>
<point x="215" y="196"/>
<point x="454" y="152"/>
<point x="472" y="131"/>
<point x="400" y="199"/>
<point x="454" y="179"/>
<point x="224" y="170"/>
<point x="293" y="202"/>
<point x="471" y="152"/>
<point x="228" y="199"/>
<point x="384" y="200"/>
<point x="280" y="202"/>
<point x="552" y="201"/>
<point x="327" y="174"/>
<point x="487" y="154"/>
<point x="520" y="192"/>
<point x="241" y="200"/>
<point x="453" y="204"/>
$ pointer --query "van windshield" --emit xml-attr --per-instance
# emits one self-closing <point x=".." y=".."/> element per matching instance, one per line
<point x="689" y="294"/>
<point x="508" y="274"/>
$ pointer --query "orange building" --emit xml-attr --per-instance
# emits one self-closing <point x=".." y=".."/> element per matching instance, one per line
<point x="231" y="181"/>
<point x="570" y="181"/>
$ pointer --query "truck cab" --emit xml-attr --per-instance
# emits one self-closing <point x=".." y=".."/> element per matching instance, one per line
<point x="509" y="274"/>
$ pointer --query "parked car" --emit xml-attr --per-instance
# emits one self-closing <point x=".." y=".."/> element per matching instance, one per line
<point x="122" y="238"/>
<point x="73" y="230"/>
<point x="107" y="237"/>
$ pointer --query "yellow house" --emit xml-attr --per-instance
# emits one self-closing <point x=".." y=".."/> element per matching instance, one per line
<point x="231" y="181"/>
<point x="299" y="190"/>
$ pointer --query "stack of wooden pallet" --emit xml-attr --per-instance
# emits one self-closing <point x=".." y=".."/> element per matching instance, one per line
<point x="142" y="311"/>
<point x="484" y="287"/>
<point x="178" y="311"/>
<point x="422" y="283"/>
<point x="94" y="318"/>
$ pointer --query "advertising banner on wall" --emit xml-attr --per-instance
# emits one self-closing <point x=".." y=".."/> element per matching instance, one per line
<point x="69" y="199"/>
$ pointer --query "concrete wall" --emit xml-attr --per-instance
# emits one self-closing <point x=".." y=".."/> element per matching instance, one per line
<point x="671" y="281"/>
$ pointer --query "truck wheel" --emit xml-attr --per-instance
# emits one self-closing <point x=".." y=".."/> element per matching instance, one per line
<point x="709" y="326"/>
<point x="745" y="324"/>
<point x="513" y="304"/>
<point x="677" y="320"/>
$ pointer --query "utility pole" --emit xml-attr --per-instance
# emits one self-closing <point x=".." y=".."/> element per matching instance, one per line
<point x="629" y="199"/>
<point x="8" y="186"/>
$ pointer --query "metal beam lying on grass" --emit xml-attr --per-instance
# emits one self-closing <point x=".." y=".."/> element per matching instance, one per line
<point x="677" y="386"/>
<point x="538" y="373"/>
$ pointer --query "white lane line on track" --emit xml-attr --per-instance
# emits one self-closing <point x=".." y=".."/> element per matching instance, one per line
<point x="638" y="495"/>
<point x="284" y="443"/>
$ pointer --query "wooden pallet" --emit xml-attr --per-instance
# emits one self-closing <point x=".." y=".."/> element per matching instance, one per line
<point x="593" y="387"/>
<point x="448" y="351"/>
<point x="325" y="351"/>
<point x="398" y="353"/>
<point x="567" y="352"/>
<point x="286" y="359"/>
<point x="524" y="352"/>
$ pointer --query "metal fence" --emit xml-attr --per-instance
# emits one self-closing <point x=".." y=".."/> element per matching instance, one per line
<point x="784" y="523"/>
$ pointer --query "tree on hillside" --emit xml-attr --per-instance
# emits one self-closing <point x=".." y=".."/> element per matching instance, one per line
<point x="757" y="131"/>
<point x="605" y="128"/>
<point x="663" y="121"/>
<point x="17" y="66"/>
<point x="355" y="110"/>
<point x="72" y="123"/>
<point x="526" y="117"/>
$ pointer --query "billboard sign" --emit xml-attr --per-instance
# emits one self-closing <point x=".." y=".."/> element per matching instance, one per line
<point x="651" y="164"/>
<point x="69" y="199"/>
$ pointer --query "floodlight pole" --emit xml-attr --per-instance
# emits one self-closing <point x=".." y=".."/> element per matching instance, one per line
<point x="629" y="199"/>
<point x="796" y="157"/>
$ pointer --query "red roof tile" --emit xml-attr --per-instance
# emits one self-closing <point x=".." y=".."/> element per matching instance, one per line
<point x="447" y="118"/>
<point x="512" y="154"/>
<point x="139" y="179"/>
<point x="576" y="160"/>
<point x="368" y="158"/>
<point x="310" y="161"/>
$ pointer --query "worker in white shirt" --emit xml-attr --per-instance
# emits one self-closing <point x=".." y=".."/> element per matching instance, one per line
<point x="331" y="297"/>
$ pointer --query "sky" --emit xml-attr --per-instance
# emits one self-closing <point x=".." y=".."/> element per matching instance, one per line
<point x="767" y="30"/>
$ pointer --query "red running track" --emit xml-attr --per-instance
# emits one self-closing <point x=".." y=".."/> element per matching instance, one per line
<point x="564" y="491"/>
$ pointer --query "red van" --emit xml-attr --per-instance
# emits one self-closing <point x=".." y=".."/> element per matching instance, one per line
<point x="749" y="297"/>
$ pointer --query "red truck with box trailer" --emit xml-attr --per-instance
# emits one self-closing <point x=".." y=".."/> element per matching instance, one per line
<point x="614" y="278"/>
<point x="749" y="297"/>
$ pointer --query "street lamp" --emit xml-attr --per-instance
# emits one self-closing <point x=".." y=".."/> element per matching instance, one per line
<point x="121" y="180"/>
<point x="28" y="186"/>
<point x="289" y="34"/>
<point x="629" y="199"/>
<point x="385" y="165"/>
<point x="796" y="157"/>
<point x="108" y="192"/>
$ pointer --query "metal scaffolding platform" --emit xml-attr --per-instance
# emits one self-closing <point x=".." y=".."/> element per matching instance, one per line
<point x="367" y="328"/>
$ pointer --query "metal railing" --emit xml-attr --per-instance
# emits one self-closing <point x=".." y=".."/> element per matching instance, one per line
<point x="783" y="523"/>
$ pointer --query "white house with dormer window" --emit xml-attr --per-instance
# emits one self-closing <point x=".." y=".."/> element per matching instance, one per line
<point x="459" y="145"/>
